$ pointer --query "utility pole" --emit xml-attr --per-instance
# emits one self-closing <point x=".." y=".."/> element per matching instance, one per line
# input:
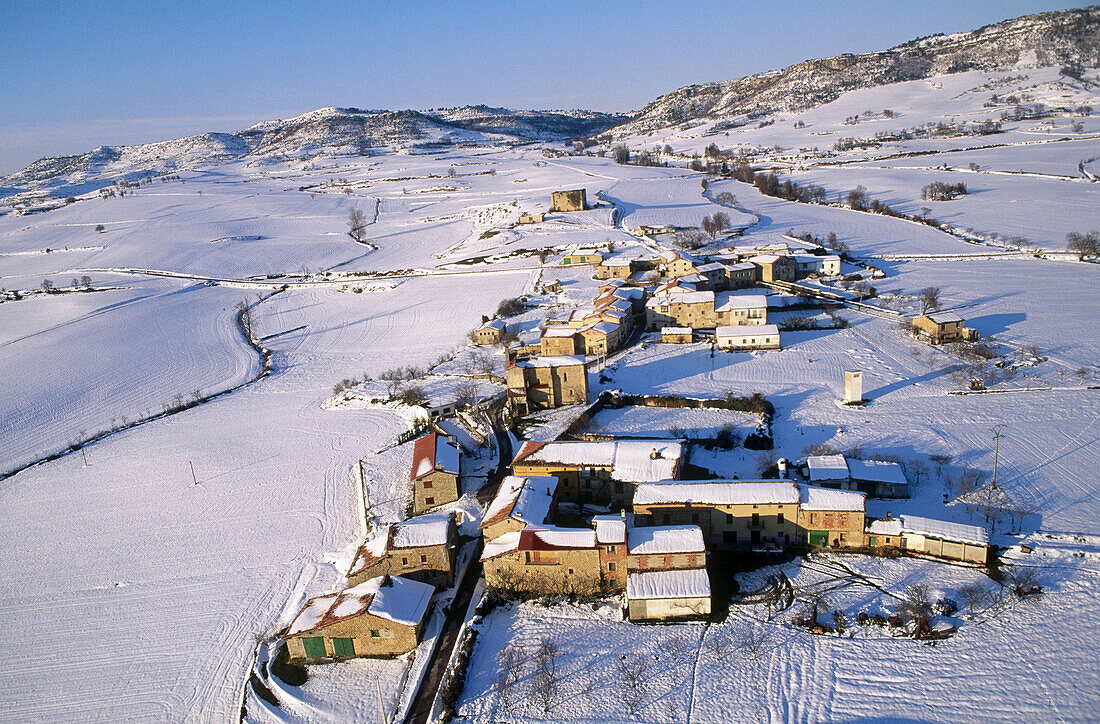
<point x="997" y="435"/>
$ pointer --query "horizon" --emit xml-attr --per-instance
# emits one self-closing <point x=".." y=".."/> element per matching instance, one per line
<point x="184" y="69"/>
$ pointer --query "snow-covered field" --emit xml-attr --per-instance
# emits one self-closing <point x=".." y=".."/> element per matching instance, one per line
<point x="153" y="584"/>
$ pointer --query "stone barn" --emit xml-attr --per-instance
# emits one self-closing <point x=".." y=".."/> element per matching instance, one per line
<point x="572" y="200"/>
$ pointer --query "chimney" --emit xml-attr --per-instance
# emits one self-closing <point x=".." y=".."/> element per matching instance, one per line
<point x="654" y="455"/>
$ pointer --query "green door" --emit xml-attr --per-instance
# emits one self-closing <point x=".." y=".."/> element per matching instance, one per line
<point x="343" y="647"/>
<point x="315" y="647"/>
<point x="819" y="537"/>
<point x="871" y="541"/>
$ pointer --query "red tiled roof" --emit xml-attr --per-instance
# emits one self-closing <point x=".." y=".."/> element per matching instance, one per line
<point x="423" y="449"/>
<point x="528" y="448"/>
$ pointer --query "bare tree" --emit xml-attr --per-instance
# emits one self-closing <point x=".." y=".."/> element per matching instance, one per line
<point x="632" y="677"/>
<point x="917" y="605"/>
<point x="244" y="313"/>
<point x="393" y="379"/>
<point x="86" y="281"/>
<point x="47" y="286"/>
<point x="756" y="641"/>
<point x="857" y="197"/>
<point x="689" y="239"/>
<point x="929" y="298"/>
<point x="357" y="224"/>
<point x="973" y="595"/>
<point x="621" y="154"/>
<point x="546" y="680"/>
<point x="725" y="198"/>
<point x="1083" y="244"/>
<point x="721" y="645"/>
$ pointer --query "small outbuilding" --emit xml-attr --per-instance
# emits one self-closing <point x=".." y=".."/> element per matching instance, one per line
<point x="747" y="337"/>
<point x="676" y="335"/>
<point x="663" y="595"/>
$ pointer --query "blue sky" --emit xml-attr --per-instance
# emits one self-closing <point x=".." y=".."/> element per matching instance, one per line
<point x="82" y="74"/>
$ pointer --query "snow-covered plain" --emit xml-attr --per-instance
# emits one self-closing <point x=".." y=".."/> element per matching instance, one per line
<point x="155" y="588"/>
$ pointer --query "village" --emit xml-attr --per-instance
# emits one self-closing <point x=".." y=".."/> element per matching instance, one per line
<point x="592" y="516"/>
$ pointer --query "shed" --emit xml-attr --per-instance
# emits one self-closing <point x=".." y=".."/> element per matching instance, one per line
<point x="662" y="595"/>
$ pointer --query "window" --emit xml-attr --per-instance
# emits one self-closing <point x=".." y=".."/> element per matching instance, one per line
<point x="729" y="518"/>
<point x="429" y="501"/>
<point x="779" y="519"/>
<point x="404" y="561"/>
<point x="423" y="558"/>
<point x="343" y="647"/>
<point x="611" y="549"/>
<point x="570" y="571"/>
<point x="611" y="566"/>
<point x="427" y="484"/>
<point x="374" y="633"/>
<point x="755" y="518"/>
<point x="314" y="646"/>
<point x="643" y="562"/>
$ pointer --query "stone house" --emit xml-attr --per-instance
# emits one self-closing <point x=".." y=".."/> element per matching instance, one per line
<point x="941" y="328"/>
<point x="823" y="266"/>
<point x="665" y="548"/>
<point x="831" y="517"/>
<point x="775" y="267"/>
<point x="616" y="267"/>
<point x="435" y="471"/>
<point x="560" y="342"/>
<point x="540" y="383"/>
<point x="601" y="338"/>
<point x="580" y="258"/>
<point x="383" y="616"/>
<point x="572" y="200"/>
<point x="876" y="478"/>
<point x="602" y="472"/>
<point x="545" y="560"/>
<point x="741" y="275"/>
<point x="422" y="548"/>
<point x="491" y="332"/>
<point x="680" y="309"/>
<point x="611" y="537"/>
<point x="745" y="337"/>
<point x="759" y="515"/>
<point x="676" y="335"/>
<point x="521" y="501"/>
<point x="531" y="218"/>
<point x="740" y="309"/>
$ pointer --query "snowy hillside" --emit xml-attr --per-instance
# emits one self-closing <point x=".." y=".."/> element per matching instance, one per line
<point x="190" y="444"/>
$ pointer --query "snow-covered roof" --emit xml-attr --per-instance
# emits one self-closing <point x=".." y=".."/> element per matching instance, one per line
<point x="526" y="499"/>
<point x="943" y="529"/>
<point x="740" y="266"/>
<point x="876" y="471"/>
<point x="692" y="583"/>
<point x="609" y="529"/>
<point x="628" y="293"/>
<point x="422" y="530"/>
<point x="613" y="283"/>
<point x="716" y="492"/>
<point x="711" y="267"/>
<point x="558" y="361"/>
<point x="398" y="599"/>
<point x="618" y="261"/>
<point x="494" y="324"/>
<point x="601" y="327"/>
<point x="741" y="330"/>
<point x="727" y="302"/>
<point x="501" y="544"/>
<point x="665" y="540"/>
<point x="679" y="296"/>
<point x="944" y="317"/>
<point x="827" y="467"/>
<point x="434" y="452"/>
<point x="693" y="278"/>
<point x="885" y="526"/>
<point x="766" y="258"/>
<point x="675" y="330"/>
<point x="630" y="460"/>
<point x="552" y="537"/>
<point x="831" y="499"/>
<point x="558" y="332"/>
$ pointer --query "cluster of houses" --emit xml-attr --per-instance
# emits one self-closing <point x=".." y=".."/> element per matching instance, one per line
<point x="674" y="293"/>
<point x="655" y="549"/>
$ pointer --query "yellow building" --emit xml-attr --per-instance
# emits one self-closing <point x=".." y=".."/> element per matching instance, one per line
<point x="380" y="617"/>
<point x="603" y="472"/>
<point x="560" y="342"/>
<point x="572" y="200"/>
<point x="540" y="383"/>
<point x="435" y="471"/>
<point x="680" y="309"/>
<point x="941" y="328"/>
<point x="740" y="309"/>
<point x="421" y="548"/>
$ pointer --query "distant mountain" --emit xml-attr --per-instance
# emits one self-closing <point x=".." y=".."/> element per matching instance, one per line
<point x="1069" y="37"/>
<point x="324" y="131"/>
